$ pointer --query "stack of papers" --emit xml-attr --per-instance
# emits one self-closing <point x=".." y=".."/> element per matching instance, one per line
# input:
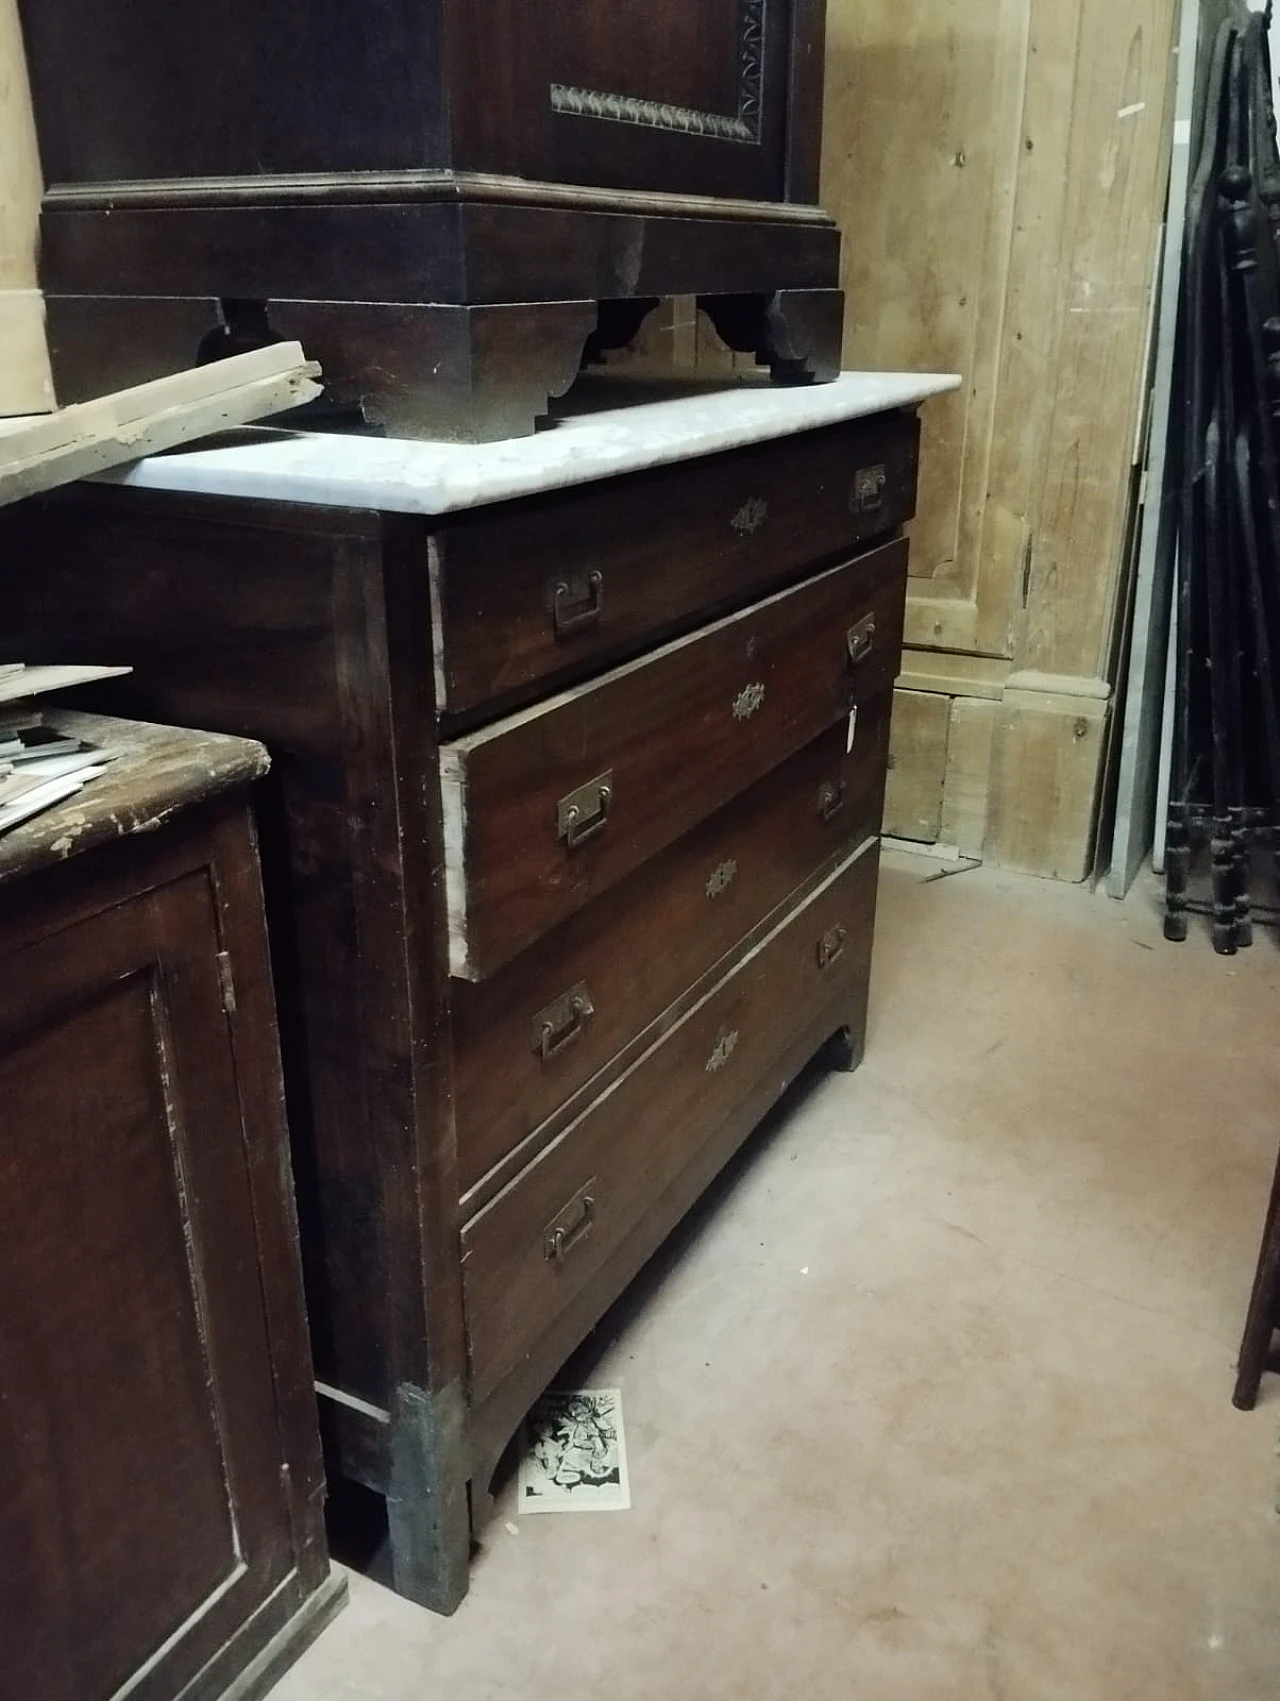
<point x="39" y="767"/>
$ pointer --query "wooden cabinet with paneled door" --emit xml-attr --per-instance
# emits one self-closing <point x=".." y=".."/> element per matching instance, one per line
<point x="161" y="1485"/>
<point x="1004" y="165"/>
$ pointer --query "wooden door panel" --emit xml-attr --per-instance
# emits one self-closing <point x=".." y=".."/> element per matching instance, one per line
<point x="677" y="54"/>
<point x="133" y="1348"/>
<point x="97" y="1417"/>
<point x="1006" y="232"/>
<point x="924" y="113"/>
<point x="671" y="96"/>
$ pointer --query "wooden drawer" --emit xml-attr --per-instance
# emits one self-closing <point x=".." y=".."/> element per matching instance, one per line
<point x="542" y="1239"/>
<point x="550" y="807"/>
<point x="532" y="595"/>
<point x="539" y="1030"/>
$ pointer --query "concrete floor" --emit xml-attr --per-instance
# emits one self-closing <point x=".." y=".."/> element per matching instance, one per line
<point x="932" y="1399"/>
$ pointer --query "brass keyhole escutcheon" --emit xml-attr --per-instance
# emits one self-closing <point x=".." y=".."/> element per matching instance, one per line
<point x="749" y="701"/>
<point x="722" y="878"/>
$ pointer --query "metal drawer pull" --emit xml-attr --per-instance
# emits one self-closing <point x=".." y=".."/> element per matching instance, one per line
<point x="831" y="798"/>
<point x="583" y="813"/>
<point x="577" y="603"/>
<point x="561" y="1023"/>
<point x="860" y="639"/>
<point x="868" y="489"/>
<point x="831" y="945"/>
<point x="572" y="1226"/>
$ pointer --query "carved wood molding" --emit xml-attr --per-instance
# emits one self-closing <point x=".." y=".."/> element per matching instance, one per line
<point x="742" y="126"/>
<point x="369" y="188"/>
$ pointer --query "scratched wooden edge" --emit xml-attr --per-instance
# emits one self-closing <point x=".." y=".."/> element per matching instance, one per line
<point x="163" y="770"/>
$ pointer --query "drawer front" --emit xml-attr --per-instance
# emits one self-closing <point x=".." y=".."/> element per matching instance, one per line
<point x="531" y="595"/>
<point x="535" y="1033"/>
<point x="553" y="806"/>
<point x="541" y="1241"/>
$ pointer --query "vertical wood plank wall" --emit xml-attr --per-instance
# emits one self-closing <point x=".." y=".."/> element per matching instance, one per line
<point x="25" y="383"/>
<point x="999" y="170"/>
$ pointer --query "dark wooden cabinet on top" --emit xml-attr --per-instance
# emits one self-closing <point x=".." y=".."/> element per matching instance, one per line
<point x="160" y="1473"/>
<point x="445" y="200"/>
<point x="571" y="848"/>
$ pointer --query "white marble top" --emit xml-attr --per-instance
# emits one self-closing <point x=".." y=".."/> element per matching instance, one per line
<point x="591" y="439"/>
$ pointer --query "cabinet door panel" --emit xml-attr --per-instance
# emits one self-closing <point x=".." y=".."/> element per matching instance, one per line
<point x="671" y="96"/>
<point x="133" y="1350"/>
<point x="692" y="60"/>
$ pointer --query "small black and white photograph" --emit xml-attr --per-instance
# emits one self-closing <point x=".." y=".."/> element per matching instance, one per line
<point x="574" y="1457"/>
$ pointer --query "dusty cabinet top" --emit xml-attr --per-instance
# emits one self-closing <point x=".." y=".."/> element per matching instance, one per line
<point x="158" y="771"/>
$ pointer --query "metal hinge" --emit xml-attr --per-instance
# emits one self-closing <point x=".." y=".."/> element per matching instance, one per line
<point x="227" y="982"/>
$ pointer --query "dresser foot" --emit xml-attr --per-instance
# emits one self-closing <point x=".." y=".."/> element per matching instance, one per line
<point x="845" y="1050"/>
<point x="796" y="333"/>
<point x="449" y="373"/>
<point x="428" y="1516"/>
<point x="454" y="374"/>
<point x="618" y="326"/>
<point x="102" y="343"/>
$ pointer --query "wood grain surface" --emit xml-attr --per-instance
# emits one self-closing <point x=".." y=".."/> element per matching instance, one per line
<point x="695" y="901"/>
<point x="679" y="732"/>
<point x="671" y="548"/>
<point x="679" y="1091"/>
<point x="160" y="1470"/>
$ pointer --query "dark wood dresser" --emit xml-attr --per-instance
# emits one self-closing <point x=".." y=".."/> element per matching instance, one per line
<point x="160" y="1472"/>
<point x="579" y="748"/>
<point x="447" y="201"/>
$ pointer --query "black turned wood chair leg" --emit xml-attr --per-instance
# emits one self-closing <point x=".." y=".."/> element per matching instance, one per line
<point x="1177" y="869"/>
<point x="428" y="1515"/>
<point x="1223" y="875"/>
<point x="1263" y="1304"/>
<point x="1240" y="841"/>
<point x="796" y="333"/>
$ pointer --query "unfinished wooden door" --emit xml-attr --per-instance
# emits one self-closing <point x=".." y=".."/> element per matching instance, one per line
<point x="25" y="382"/>
<point x="1000" y="166"/>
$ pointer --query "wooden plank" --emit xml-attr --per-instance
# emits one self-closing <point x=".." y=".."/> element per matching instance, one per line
<point x="917" y="765"/>
<point x="1116" y="172"/>
<point x="968" y="776"/>
<point x="24" y="682"/>
<point x="1045" y="761"/>
<point x="1140" y="731"/>
<point x="956" y="676"/>
<point x="1010" y="229"/>
<point x="924" y="106"/>
<point x="1038" y="252"/>
<point x="26" y="385"/>
<point x="948" y="622"/>
<point x="80" y="441"/>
